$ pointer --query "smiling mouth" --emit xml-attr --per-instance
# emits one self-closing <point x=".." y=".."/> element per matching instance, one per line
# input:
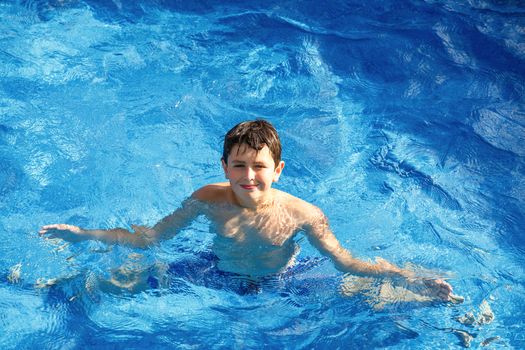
<point x="249" y="187"/>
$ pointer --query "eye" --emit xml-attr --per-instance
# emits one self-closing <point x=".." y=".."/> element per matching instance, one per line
<point x="238" y="166"/>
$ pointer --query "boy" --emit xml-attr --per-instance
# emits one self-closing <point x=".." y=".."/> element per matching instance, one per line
<point x="255" y="224"/>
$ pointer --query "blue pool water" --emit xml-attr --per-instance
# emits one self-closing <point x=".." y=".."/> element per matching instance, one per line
<point x="402" y="120"/>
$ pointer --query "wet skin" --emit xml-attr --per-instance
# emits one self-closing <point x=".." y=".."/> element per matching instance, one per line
<point x="255" y="224"/>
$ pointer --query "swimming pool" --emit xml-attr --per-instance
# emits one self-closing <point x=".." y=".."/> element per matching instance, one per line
<point x="403" y="121"/>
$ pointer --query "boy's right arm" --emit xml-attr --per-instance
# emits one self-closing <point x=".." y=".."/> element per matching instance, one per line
<point x="142" y="237"/>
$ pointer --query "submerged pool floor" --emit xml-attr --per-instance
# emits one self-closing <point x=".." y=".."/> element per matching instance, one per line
<point x="403" y="122"/>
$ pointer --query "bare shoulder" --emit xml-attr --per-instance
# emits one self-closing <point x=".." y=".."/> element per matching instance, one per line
<point x="213" y="193"/>
<point x="304" y="211"/>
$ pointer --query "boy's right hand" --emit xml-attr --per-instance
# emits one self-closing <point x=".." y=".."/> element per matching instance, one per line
<point x="66" y="232"/>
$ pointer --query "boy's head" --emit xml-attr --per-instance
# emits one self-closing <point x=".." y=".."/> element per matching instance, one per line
<point x="256" y="134"/>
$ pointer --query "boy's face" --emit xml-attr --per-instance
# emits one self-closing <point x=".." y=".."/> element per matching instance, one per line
<point x="251" y="173"/>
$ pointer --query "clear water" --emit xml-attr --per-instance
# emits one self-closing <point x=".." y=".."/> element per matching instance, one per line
<point x="403" y="121"/>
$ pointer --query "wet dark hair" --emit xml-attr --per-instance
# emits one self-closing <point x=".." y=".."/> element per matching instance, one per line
<point x="256" y="134"/>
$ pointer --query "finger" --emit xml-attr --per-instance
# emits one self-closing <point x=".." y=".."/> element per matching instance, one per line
<point x="46" y="230"/>
<point x="52" y="226"/>
<point x="447" y="289"/>
<point x="440" y="291"/>
<point x="59" y="227"/>
<point x="439" y="284"/>
<point x="445" y="285"/>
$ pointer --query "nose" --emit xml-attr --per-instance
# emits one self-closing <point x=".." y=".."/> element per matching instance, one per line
<point x="250" y="173"/>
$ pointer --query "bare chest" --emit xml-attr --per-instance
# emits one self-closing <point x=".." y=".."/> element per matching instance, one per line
<point x="268" y="228"/>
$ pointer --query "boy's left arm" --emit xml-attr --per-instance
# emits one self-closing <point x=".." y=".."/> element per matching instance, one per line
<point x="321" y="236"/>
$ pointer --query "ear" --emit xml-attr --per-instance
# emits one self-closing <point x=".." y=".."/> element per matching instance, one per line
<point x="278" y="171"/>
<point x="224" y="168"/>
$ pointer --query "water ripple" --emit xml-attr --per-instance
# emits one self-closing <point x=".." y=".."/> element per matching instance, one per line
<point x="385" y="159"/>
<point x="109" y="108"/>
<point x="501" y="127"/>
<point x="453" y="45"/>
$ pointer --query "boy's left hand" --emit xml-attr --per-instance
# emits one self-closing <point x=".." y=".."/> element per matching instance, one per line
<point x="439" y="288"/>
<point x="430" y="286"/>
<point x="435" y="288"/>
